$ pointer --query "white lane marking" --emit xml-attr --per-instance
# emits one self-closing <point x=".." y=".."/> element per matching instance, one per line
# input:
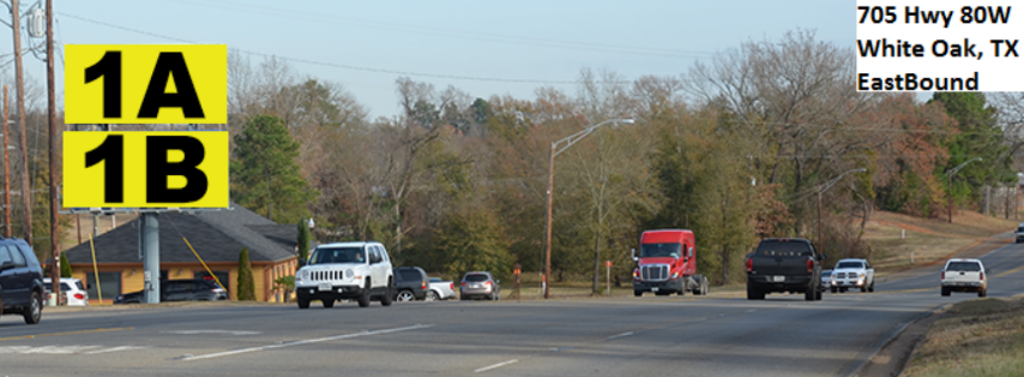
<point x="115" y="349"/>
<point x="623" y="335"/>
<point x="302" y="342"/>
<point x="751" y="310"/>
<point x="52" y="350"/>
<point x="197" y="332"/>
<point x="498" y="365"/>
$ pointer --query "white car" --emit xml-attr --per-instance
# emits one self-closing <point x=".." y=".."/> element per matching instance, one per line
<point x="964" y="275"/>
<point x="440" y="290"/>
<point x="71" y="289"/>
<point x="346" y="270"/>
<point x="852" y="274"/>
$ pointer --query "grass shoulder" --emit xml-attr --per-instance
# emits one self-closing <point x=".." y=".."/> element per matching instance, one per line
<point x="981" y="337"/>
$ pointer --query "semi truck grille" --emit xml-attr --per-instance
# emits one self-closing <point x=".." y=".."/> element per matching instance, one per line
<point x="326" y="275"/>
<point x="654" y="272"/>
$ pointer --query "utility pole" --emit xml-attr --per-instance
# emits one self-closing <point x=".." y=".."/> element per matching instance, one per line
<point x="547" y="255"/>
<point x="26" y="190"/>
<point x="7" y="172"/>
<point x="51" y="100"/>
<point x="949" y="189"/>
<point x="821" y="244"/>
<point x="949" y="184"/>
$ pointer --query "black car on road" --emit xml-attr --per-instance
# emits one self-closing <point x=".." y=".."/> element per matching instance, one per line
<point x="179" y="290"/>
<point x="21" y="280"/>
<point x="411" y="283"/>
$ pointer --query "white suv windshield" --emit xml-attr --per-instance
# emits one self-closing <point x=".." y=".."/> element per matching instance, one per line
<point x="850" y="265"/>
<point x="337" y="255"/>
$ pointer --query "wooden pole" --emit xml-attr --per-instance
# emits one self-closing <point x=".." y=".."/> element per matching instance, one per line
<point x="7" y="171"/>
<point x="52" y="110"/>
<point x="547" y="257"/>
<point x="26" y="185"/>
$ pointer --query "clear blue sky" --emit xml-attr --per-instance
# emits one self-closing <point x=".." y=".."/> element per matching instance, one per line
<point x="527" y="39"/>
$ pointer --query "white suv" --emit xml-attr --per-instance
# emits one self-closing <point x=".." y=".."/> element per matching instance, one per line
<point x="71" y="289"/>
<point x="346" y="270"/>
<point x="964" y="275"/>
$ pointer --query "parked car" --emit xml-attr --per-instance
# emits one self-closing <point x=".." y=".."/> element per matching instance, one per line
<point x="21" y="280"/>
<point x="179" y="290"/>
<point x="346" y="270"/>
<point x="853" y="273"/>
<point x="1019" y="233"/>
<point x="826" y="278"/>
<point x="964" y="275"/>
<point x="411" y="283"/>
<point x="71" y="289"/>
<point x="479" y="284"/>
<point x="441" y="290"/>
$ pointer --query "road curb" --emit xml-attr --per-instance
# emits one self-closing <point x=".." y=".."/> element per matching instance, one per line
<point x="891" y="336"/>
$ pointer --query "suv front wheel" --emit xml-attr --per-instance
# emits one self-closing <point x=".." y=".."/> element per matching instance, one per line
<point x="388" y="294"/>
<point x="364" y="296"/>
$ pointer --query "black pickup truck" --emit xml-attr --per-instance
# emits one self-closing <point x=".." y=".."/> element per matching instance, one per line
<point x="784" y="265"/>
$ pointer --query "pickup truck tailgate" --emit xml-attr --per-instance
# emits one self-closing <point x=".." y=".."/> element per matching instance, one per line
<point x="780" y="265"/>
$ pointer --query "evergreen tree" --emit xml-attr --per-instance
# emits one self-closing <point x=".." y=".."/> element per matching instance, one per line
<point x="267" y="178"/>
<point x="246" y="285"/>
<point x="303" y="243"/>
<point x="980" y="136"/>
<point x="65" y="266"/>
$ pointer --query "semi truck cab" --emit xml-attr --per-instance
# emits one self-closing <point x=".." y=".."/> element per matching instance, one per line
<point x="667" y="264"/>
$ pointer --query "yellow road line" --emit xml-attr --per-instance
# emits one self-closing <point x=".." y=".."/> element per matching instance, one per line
<point x="910" y="290"/>
<point x="1009" y="272"/>
<point x="65" y="333"/>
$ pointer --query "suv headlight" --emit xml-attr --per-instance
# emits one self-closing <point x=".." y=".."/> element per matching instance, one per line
<point x="349" y="273"/>
<point x="304" y="275"/>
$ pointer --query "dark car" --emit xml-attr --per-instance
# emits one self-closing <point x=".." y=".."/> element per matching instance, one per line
<point x="21" y="280"/>
<point x="179" y="290"/>
<point x="784" y="265"/>
<point x="411" y="283"/>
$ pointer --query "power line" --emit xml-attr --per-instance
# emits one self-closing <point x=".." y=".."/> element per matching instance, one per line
<point x="472" y="35"/>
<point x="343" y="66"/>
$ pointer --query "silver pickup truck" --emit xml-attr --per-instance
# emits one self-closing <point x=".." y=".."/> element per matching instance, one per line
<point x="440" y="290"/>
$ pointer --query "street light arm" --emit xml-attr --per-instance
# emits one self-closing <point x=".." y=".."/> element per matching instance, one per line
<point x="572" y="139"/>
<point x="961" y="166"/>
<point x="835" y="180"/>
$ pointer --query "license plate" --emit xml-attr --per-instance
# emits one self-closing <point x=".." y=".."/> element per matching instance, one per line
<point x="475" y="286"/>
<point x="325" y="287"/>
<point x="654" y="289"/>
<point x="778" y="278"/>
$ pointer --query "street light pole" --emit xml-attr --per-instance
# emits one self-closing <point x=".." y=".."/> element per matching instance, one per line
<point x="555" y="150"/>
<point x="821" y="189"/>
<point x="949" y="184"/>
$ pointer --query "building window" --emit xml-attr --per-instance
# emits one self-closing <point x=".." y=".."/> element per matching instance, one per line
<point x="110" y="282"/>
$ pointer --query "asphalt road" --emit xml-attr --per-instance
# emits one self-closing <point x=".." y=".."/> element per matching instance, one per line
<point x="722" y="335"/>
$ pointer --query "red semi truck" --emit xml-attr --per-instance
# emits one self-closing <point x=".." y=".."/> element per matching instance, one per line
<point x="666" y="264"/>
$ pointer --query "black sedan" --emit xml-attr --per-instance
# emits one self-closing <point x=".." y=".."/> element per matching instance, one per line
<point x="179" y="290"/>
